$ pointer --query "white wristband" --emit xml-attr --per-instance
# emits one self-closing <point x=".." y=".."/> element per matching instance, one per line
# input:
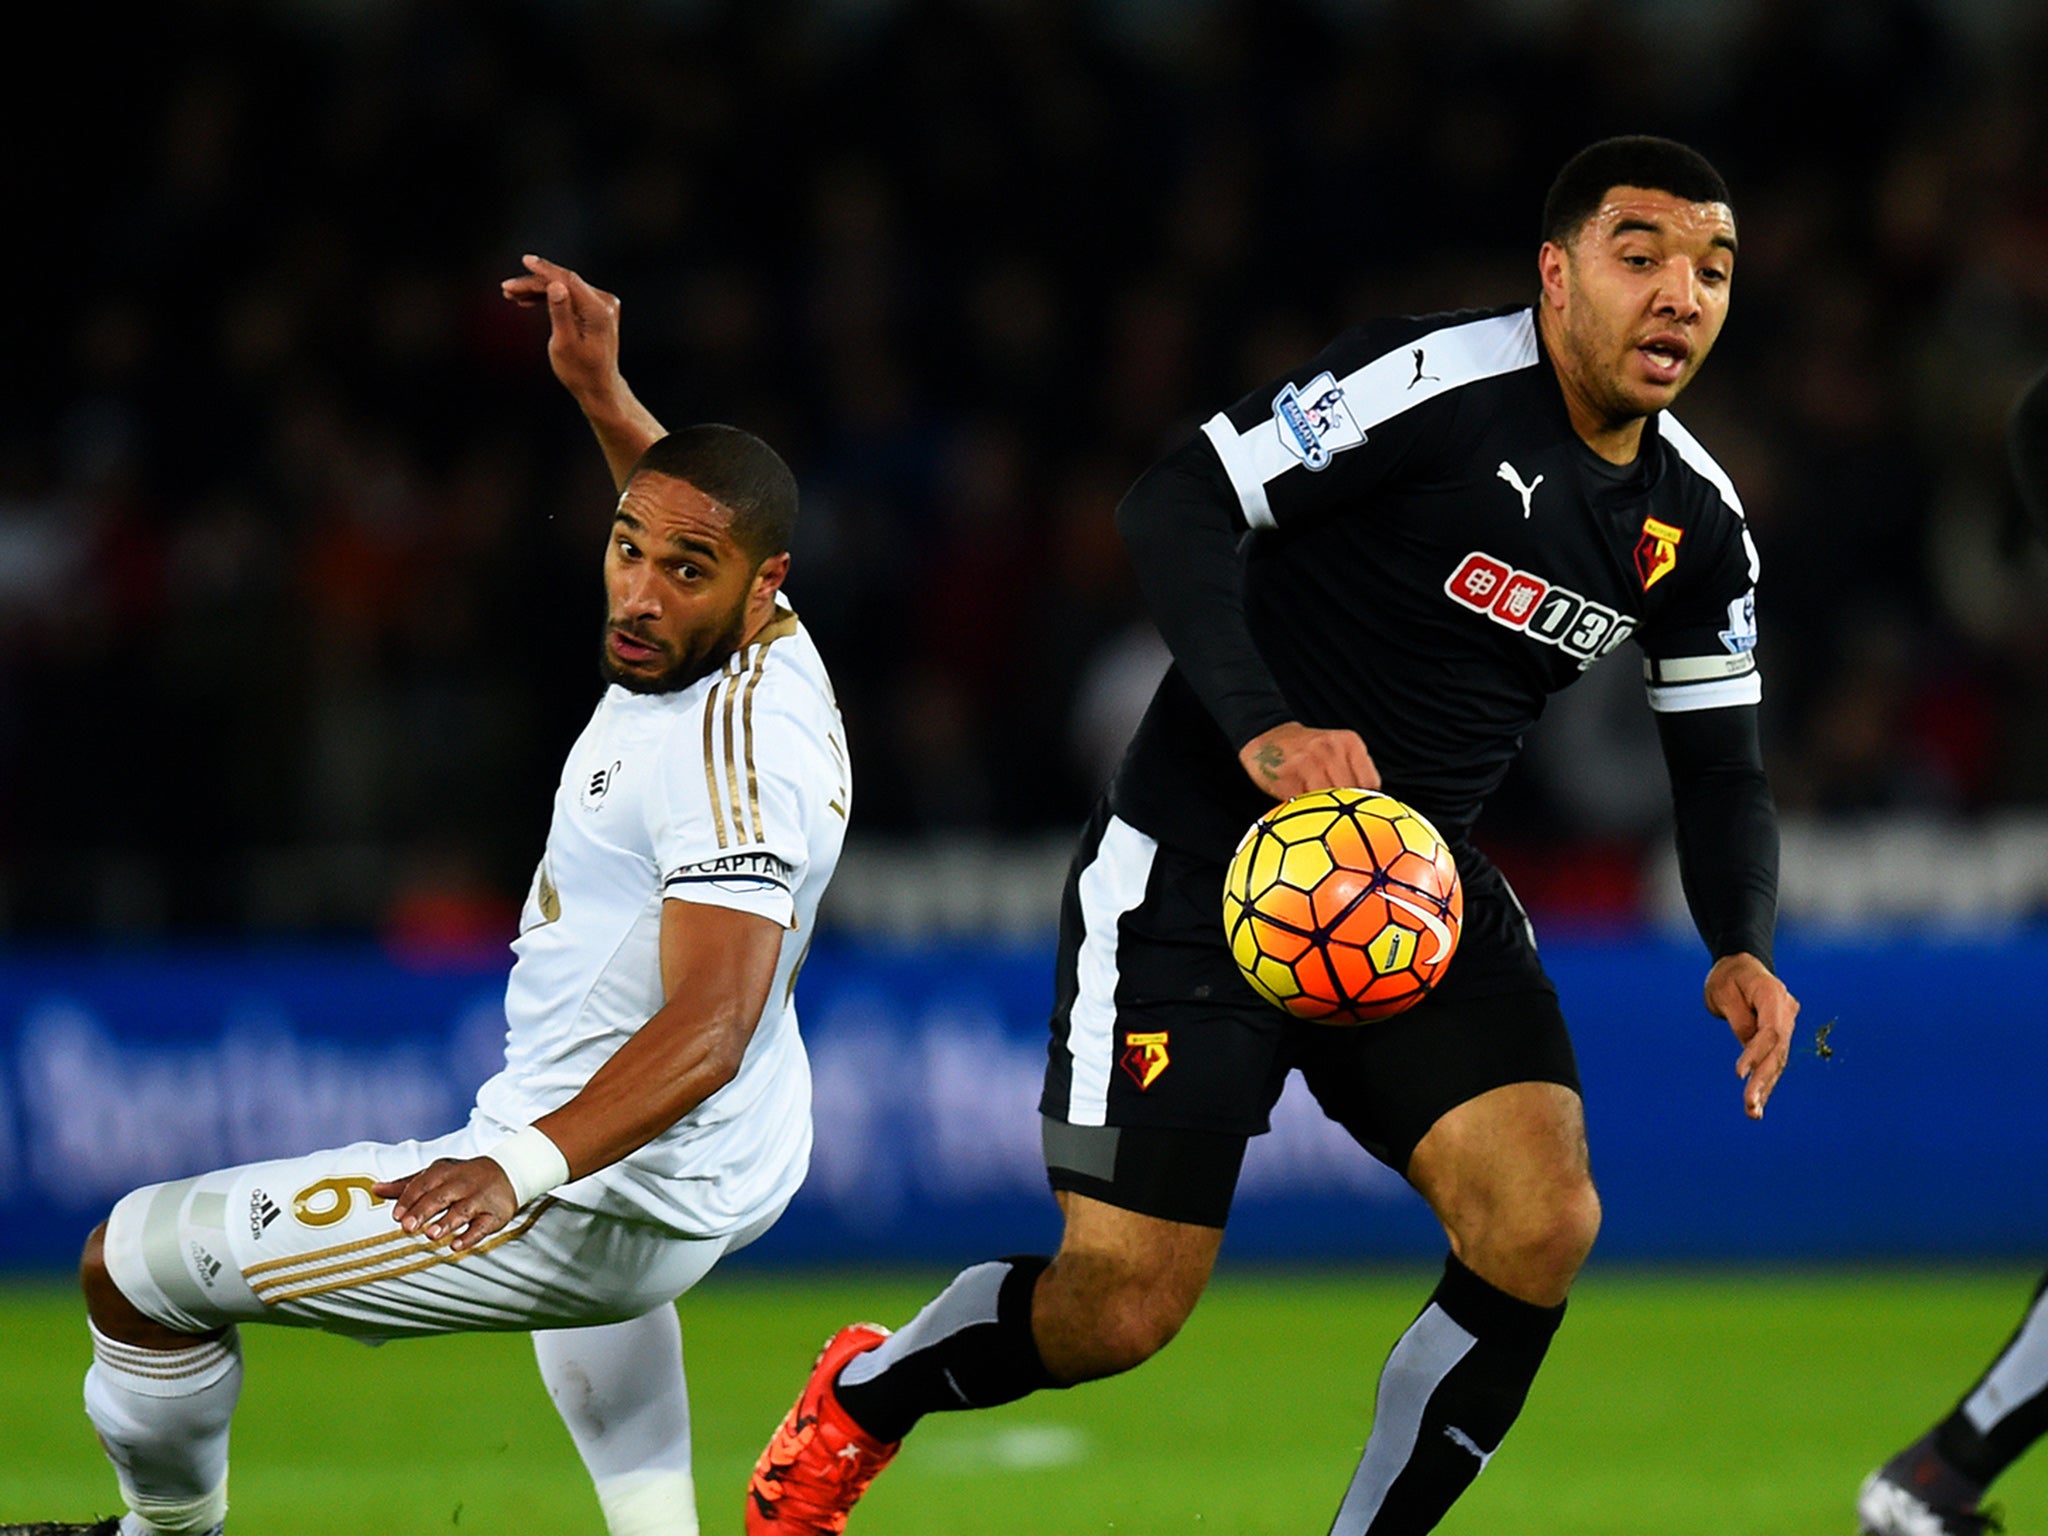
<point x="533" y="1163"/>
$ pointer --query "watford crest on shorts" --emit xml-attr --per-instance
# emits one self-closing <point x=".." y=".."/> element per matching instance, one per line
<point x="1145" y="1057"/>
<point x="1656" y="551"/>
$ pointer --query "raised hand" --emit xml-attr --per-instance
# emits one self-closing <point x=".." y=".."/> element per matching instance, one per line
<point x="583" y="349"/>
<point x="583" y="325"/>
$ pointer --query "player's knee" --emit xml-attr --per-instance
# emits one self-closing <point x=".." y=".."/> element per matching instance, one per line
<point x="1548" y="1242"/>
<point x="92" y="1263"/>
<point x="109" y="1307"/>
<point x="103" y="1299"/>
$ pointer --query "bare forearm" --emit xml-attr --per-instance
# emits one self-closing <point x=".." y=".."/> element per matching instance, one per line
<point x="650" y="1083"/>
<point x="625" y="428"/>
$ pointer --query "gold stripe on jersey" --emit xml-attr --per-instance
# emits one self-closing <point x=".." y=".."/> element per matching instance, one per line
<point x="747" y="722"/>
<point x="781" y="627"/>
<point x="710" y="773"/>
<point x="423" y="1255"/>
<point x="729" y="724"/>
<point x="732" y="776"/>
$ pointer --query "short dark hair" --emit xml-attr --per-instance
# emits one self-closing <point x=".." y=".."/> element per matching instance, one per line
<point x="1634" y="160"/>
<point x="739" y="472"/>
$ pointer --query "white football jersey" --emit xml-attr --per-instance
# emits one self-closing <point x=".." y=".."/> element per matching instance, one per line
<point x="733" y="792"/>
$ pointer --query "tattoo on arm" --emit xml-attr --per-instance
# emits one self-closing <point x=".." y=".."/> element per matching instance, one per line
<point x="1269" y="759"/>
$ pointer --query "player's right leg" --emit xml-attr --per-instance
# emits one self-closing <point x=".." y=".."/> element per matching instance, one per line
<point x="305" y="1242"/>
<point x="1164" y="1064"/>
<point x="1116" y="1293"/>
<point x="1934" y="1487"/>
<point x="161" y="1400"/>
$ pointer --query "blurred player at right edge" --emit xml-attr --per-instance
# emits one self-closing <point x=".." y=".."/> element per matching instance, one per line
<point x="1933" y="1487"/>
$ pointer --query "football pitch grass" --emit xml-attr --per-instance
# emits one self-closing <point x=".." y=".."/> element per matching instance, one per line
<point x="1730" y="1402"/>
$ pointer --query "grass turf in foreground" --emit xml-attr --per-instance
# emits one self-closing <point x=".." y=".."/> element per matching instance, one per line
<point x="1739" y="1403"/>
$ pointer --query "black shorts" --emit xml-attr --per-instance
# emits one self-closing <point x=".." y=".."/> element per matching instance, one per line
<point x="1164" y="1061"/>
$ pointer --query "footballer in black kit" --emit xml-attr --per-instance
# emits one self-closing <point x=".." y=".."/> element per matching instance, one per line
<point x="1374" y="572"/>
<point x="1423" y="560"/>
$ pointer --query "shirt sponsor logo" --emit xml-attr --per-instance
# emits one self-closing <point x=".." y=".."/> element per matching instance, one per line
<point x="1542" y="610"/>
<point x="1145" y="1057"/>
<point x="1657" y="551"/>
<point x="738" y="870"/>
<point x="1740" y="635"/>
<point x="1314" y="422"/>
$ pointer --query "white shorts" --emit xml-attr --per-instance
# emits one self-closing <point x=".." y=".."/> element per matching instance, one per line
<point x="302" y="1241"/>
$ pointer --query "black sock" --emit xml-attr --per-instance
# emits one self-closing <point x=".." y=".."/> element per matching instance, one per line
<point x="971" y="1347"/>
<point x="2007" y="1410"/>
<point x="1931" y="1477"/>
<point x="1447" y="1395"/>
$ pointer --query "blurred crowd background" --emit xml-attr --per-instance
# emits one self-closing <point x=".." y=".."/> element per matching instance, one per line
<point x="299" y="541"/>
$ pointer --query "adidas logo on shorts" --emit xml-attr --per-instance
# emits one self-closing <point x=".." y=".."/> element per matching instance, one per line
<point x="262" y="1212"/>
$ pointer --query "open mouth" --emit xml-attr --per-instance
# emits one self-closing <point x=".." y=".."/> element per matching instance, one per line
<point x="631" y="650"/>
<point x="1665" y="357"/>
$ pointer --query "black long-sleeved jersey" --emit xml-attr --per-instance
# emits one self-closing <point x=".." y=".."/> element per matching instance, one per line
<point x="1406" y="538"/>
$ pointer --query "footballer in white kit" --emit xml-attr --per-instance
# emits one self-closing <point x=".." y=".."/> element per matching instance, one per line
<point x="730" y="793"/>
<point x="654" y="1108"/>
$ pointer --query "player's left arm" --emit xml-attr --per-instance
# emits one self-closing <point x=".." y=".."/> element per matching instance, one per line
<point x="1700" y="669"/>
<point x="717" y="966"/>
<point x="1727" y="831"/>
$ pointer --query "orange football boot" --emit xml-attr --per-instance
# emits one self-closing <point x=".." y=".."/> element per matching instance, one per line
<point x="819" y="1462"/>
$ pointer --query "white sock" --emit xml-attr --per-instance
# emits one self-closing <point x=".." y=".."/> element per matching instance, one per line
<point x="620" y="1390"/>
<point x="163" y="1416"/>
<point x="649" y="1504"/>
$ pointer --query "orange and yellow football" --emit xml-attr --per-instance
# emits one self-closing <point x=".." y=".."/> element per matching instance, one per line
<point x="1342" y="906"/>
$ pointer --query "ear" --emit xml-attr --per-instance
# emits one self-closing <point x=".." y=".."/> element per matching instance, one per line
<point x="770" y="575"/>
<point x="1553" y="267"/>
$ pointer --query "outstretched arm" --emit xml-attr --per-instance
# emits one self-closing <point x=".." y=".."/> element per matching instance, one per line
<point x="583" y="349"/>
<point x="1728" y="862"/>
<point x="717" y="966"/>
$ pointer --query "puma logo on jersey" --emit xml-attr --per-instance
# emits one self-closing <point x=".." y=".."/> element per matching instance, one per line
<point x="1527" y="492"/>
<point x="1542" y="610"/>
